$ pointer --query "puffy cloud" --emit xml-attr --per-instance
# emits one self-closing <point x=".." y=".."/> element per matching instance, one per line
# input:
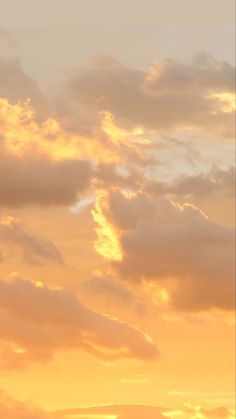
<point x="35" y="249"/>
<point x="171" y="96"/>
<point x="36" y="322"/>
<point x="45" y="163"/>
<point x="29" y="173"/>
<point x="41" y="181"/>
<point x="161" y="240"/>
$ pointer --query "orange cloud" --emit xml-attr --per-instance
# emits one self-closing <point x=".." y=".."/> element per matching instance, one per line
<point x="107" y="243"/>
<point x="37" y="321"/>
<point x="213" y="191"/>
<point x="13" y="409"/>
<point x="170" y="97"/>
<point x="34" y="248"/>
<point x="178" y="244"/>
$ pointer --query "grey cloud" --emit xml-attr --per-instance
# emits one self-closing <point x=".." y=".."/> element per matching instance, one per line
<point x="171" y="96"/>
<point x="41" y="181"/>
<point x="16" y="85"/>
<point x="179" y="245"/>
<point x="204" y="73"/>
<point x="112" y="293"/>
<point x="34" y="249"/>
<point x="214" y="192"/>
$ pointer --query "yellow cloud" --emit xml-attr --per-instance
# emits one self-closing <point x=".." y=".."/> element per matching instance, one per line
<point x="226" y="101"/>
<point x="107" y="243"/>
<point x="23" y="134"/>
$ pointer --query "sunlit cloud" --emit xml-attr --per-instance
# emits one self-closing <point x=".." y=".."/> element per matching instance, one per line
<point x="161" y="241"/>
<point x="107" y="243"/>
<point x="28" y="333"/>
<point x="117" y="208"/>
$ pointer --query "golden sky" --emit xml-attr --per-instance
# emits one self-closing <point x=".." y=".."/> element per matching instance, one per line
<point x="117" y="210"/>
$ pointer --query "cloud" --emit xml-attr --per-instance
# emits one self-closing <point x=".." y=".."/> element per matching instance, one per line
<point x="111" y="292"/>
<point x="29" y="172"/>
<point x="13" y="409"/>
<point x="214" y="192"/>
<point x="36" y="322"/>
<point x="164" y="241"/>
<point x="10" y="408"/>
<point x="38" y="180"/>
<point x="204" y="73"/>
<point x="45" y="163"/>
<point x="170" y="96"/>
<point x="199" y="186"/>
<point x="15" y="84"/>
<point x="151" y="412"/>
<point x="119" y="412"/>
<point x="34" y="249"/>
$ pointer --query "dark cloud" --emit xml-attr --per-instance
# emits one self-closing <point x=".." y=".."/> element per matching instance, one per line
<point x="40" y="180"/>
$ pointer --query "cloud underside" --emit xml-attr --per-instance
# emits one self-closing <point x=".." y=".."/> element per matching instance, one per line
<point x="12" y="409"/>
<point x="170" y="96"/>
<point x="46" y="156"/>
<point x="17" y="241"/>
<point x="173" y="245"/>
<point x="36" y="322"/>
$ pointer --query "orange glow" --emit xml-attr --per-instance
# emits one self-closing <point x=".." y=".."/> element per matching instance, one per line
<point x="107" y="243"/>
<point x="117" y="211"/>
<point x="226" y="101"/>
<point x="90" y="416"/>
<point x="23" y="135"/>
<point x="117" y="134"/>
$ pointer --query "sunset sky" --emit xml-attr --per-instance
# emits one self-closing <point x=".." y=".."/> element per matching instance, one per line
<point x="117" y="209"/>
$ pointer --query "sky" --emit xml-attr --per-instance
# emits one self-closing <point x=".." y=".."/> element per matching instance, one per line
<point x="117" y="209"/>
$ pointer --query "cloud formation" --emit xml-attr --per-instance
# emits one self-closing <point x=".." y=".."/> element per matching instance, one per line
<point x="161" y="240"/>
<point x="112" y="293"/>
<point x="11" y="408"/>
<point x="170" y="96"/>
<point x="45" y="163"/>
<point x="151" y="412"/>
<point x="36" y="322"/>
<point x="34" y="249"/>
<point x="30" y="172"/>
<point x="213" y="191"/>
<point x="15" y="84"/>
